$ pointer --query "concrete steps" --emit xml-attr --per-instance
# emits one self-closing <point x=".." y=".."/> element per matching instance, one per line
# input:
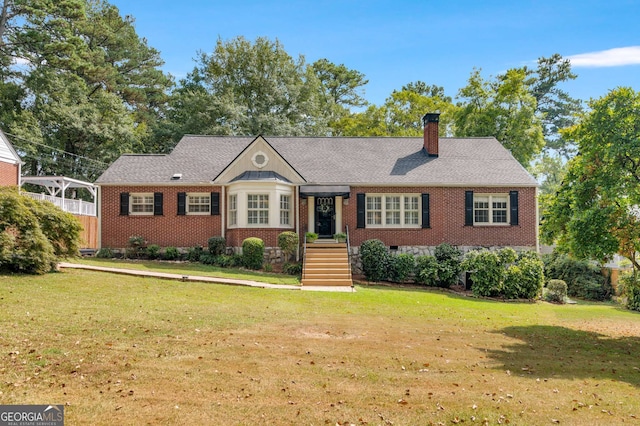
<point x="326" y="264"/>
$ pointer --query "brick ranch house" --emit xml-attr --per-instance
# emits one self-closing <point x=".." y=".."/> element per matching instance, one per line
<point x="411" y="193"/>
<point x="10" y="163"/>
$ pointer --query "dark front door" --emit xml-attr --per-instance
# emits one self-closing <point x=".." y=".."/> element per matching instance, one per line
<point x="325" y="216"/>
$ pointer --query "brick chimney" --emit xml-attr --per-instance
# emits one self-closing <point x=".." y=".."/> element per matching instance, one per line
<point x="430" y="122"/>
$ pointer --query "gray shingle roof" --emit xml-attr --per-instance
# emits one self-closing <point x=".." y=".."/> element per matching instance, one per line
<point x="327" y="160"/>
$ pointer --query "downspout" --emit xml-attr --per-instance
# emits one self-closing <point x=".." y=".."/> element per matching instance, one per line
<point x="98" y="197"/>
<point x="537" y="222"/>
<point x="223" y="210"/>
<point x="296" y="217"/>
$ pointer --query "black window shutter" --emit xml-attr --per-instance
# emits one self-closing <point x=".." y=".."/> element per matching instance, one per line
<point x="157" y="203"/>
<point x="468" y="208"/>
<point x="215" y="203"/>
<point x="426" y="217"/>
<point x="361" y="210"/>
<point x="513" y="202"/>
<point x="182" y="203"/>
<point x="124" y="204"/>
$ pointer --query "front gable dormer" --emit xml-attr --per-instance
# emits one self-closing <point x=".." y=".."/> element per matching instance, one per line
<point x="259" y="156"/>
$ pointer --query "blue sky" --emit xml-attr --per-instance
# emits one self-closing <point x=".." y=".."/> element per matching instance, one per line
<point x="397" y="42"/>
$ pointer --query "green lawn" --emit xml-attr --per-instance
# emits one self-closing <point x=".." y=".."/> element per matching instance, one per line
<point x="190" y="268"/>
<point x="124" y="350"/>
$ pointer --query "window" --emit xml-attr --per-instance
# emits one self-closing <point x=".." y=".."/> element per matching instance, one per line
<point x="233" y="209"/>
<point x="374" y="210"/>
<point x="490" y="209"/>
<point x="198" y="203"/>
<point x="258" y="209"/>
<point x="393" y="210"/>
<point x="141" y="204"/>
<point x="285" y="207"/>
<point x="411" y="210"/>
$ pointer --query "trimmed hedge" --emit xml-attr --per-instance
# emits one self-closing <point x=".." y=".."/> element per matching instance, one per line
<point x="556" y="291"/>
<point x="288" y="242"/>
<point x="253" y="252"/>
<point x="217" y="245"/>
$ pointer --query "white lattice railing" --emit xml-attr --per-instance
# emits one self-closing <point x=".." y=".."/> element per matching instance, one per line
<point x="79" y="207"/>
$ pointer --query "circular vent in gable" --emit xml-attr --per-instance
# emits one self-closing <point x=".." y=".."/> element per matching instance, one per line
<point x="259" y="159"/>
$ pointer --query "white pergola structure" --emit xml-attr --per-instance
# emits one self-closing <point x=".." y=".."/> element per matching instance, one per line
<point x="56" y="187"/>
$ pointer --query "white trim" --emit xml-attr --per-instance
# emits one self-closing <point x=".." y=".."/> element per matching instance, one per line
<point x="197" y="194"/>
<point x="490" y="209"/>
<point x="338" y="212"/>
<point x="222" y="177"/>
<point x="264" y="156"/>
<point x="244" y="188"/>
<point x="144" y="195"/>
<point x="383" y="209"/>
<point x="311" y="213"/>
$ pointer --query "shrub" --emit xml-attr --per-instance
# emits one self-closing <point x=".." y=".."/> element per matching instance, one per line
<point x="556" y="291"/>
<point x="267" y="267"/>
<point x="217" y="245"/>
<point x="401" y="266"/>
<point x="288" y="242"/>
<point x="311" y="237"/>
<point x="228" y="261"/>
<point x="292" y="268"/>
<point x="523" y="280"/>
<point x="487" y="272"/>
<point x="505" y="273"/>
<point x="207" y="258"/>
<point x="426" y="270"/>
<point x="531" y="275"/>
<point x="153" y="251"/>
<point x="104" y="253"/>
<point x="507" y="255"/>
<point x="374" y="256"/>
<point x="136" y="247"/>
<point x="62" y="229"/>
<point x="584" y="279"/>
<point x="34" y="234"/>
<point x="630" y="288"/>
<point x="171" y="253"/>
<point x="194" y="253"/>
<point x="449" y="264"/>
<point x="253" y="252"/>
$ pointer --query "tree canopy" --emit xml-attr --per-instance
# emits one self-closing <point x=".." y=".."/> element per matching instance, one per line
<point x="596" y="212"/>
<point x="78" y="83"/>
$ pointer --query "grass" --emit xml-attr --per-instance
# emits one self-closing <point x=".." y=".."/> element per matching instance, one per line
<point x="123" y="350"/>
<point x="189" y="268"/>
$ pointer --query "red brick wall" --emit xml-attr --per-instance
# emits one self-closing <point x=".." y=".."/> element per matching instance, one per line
<point x="447" y="220"/>
<point x="166" y="230"/>
<point x="446" y="210"/>
<point x="8" y="174"/>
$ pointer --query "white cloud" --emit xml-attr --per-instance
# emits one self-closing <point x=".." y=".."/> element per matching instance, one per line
<point x="617" y="57"/>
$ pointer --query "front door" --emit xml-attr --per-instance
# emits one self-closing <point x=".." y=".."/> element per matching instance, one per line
<point x="325" y="216"/>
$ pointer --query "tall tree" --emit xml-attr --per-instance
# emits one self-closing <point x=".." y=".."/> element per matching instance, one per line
<point x="340" y="85"/>
<point x="246" y="87"/>
<point x="554" y="106"/>
<point x="505" y="109"/>
<point x="596" y="212"/>
<point x="89" y="87"/>
<point x="401" y="114"/>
